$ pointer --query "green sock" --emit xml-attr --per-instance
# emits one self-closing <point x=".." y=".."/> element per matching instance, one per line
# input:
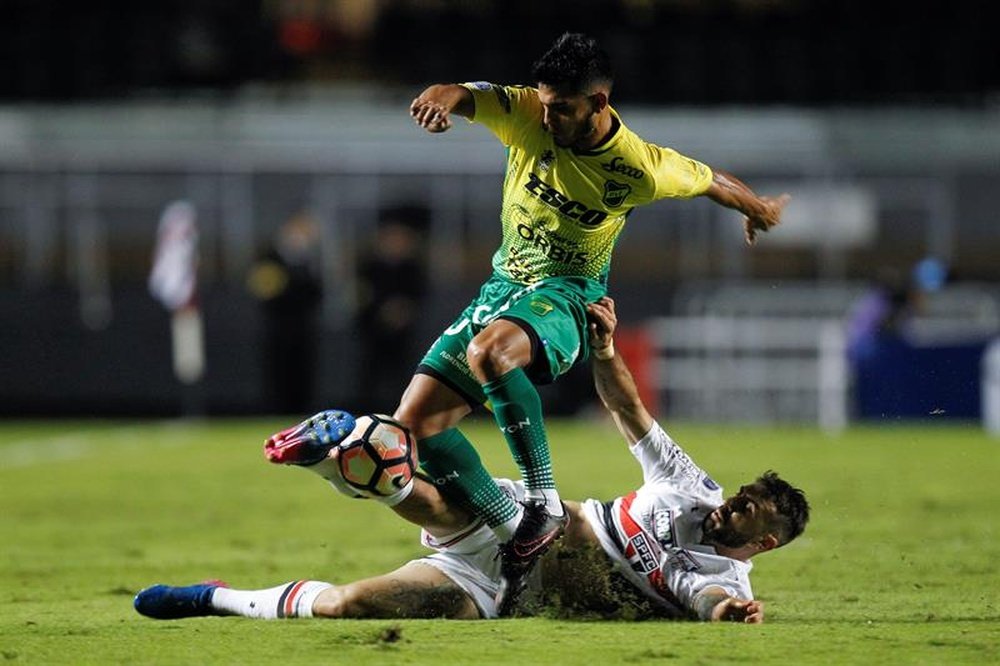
<point x="518" y="411"/>
<point x="454" y="465"/>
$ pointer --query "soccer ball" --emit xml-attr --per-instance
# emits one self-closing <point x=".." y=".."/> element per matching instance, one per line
<point x="379" y="457"/>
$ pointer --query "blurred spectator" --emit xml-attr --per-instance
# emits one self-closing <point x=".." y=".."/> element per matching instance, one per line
<point x="392" y="279"/>
<point x="286" y="281"/>
<point x="885" y="310"/>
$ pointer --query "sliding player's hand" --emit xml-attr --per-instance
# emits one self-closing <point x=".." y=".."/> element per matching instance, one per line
<point x="732" y="609"/>
<point x="603" y="321"/>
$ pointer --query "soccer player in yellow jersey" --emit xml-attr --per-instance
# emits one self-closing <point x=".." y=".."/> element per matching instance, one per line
<point x="574" y="173"/>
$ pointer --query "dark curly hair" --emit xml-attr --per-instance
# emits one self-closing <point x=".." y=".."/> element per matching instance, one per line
<point x="791" y="504"/>
<point x="575" y="63"/>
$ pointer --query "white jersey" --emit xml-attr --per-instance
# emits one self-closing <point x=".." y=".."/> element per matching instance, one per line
<point x="653" y="534"/>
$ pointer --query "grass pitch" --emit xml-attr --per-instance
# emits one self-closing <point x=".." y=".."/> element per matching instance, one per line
<point x="899" y="564"/>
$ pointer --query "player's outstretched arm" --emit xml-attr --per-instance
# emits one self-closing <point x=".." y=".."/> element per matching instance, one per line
<point x="760" y="213"/>
<point x="433" y="107"/>
<point x="615" y="384"/>
<point x="715" y="605"/>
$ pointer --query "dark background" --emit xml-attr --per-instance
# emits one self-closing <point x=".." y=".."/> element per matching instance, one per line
<point x="665" y="52"/>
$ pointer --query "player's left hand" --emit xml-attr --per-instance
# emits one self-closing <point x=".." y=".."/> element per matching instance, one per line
<point x="769" y="217"/>
<point x="732" y="609"/>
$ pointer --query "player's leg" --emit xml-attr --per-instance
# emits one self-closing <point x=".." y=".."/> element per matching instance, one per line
<point x="430" y="407"/>
<point x="498" y="355"/>
<point x="292" y="599"/>
<point x="541" y="333"/>
<point x="414" y="590"/>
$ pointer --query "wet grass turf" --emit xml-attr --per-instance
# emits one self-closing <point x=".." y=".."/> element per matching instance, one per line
<point x="899" y="564"/>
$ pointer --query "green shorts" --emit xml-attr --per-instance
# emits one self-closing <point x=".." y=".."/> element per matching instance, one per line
<point x="552" y="312"/>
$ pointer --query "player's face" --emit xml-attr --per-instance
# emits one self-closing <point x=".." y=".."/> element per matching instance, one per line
<point x="567" y="116"/>
<point x="741" y="519"/>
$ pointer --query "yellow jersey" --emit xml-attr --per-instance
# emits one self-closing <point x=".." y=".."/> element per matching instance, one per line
<point x="563" y="209"/>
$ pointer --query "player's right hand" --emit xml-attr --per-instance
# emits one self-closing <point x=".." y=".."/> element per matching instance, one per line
<point x="430" y="115"/>
<point x="769" y="217"/>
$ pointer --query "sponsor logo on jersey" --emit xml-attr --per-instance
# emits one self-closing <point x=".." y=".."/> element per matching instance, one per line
<point x="618" y="165"/>
<point x="551" y="245"/>
<point x="663" y="527"/>
<point x="571" y="209"/>
<point x="683" y="560"/>
<point x="615" y="193"/>
<point x="546" y="160"/>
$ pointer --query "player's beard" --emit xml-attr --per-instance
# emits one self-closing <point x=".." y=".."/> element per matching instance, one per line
<point x="585" y="131"/>
<point x="723" y="535"/>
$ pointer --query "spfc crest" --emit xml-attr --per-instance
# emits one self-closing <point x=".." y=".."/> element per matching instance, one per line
<point x="615" y="193"/>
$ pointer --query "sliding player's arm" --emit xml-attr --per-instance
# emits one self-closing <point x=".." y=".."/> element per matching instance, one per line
<point x="433" y="107"/>
<point x="612" y="378"/>
<point x="714" y="604"/>
<point x="760" y="213"/>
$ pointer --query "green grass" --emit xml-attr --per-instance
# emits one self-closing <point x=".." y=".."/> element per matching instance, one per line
<point x="899" y="564"/>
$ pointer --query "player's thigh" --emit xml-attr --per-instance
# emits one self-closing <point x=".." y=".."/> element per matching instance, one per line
<point x="429" y="406"/>
<point x="415" y="590"/>
<point x="555" y="320"/>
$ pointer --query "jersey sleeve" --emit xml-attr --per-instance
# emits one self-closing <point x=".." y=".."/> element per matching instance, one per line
<point x="687" y="586"/>
<point x="676" y="176"/>
<point x="664" y="461"/>
<point x="505" y="110"/>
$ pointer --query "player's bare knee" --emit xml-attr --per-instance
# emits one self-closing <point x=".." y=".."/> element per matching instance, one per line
<point x="337" y="602"/>
<point x="492" y="354"/>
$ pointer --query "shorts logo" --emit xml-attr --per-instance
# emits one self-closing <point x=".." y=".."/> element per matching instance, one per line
<point x="540" y="307"/>
<point x="615" y="193"/>
<point x="481" y="85"/>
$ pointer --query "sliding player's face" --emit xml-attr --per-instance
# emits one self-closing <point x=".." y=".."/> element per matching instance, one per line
<point x="740" y="520"/>
<point x="568" y="117"/>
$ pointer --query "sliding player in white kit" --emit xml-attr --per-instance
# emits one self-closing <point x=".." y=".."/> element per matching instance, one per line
<point x="674" y="548"/>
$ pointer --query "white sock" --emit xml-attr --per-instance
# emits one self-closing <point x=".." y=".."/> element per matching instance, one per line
<point x="505" y="530"/>
<point x="547" y="496"/>
<point x="294" y="599"/>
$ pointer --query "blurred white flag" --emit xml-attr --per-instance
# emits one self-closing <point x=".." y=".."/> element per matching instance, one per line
<point x="174" y="278"/>
<point x="174" y="282"/>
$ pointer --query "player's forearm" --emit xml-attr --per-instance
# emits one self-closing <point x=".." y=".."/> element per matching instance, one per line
<point x="453" y="97"/>
<point x="617" y="390"/>
<point x="727" y="190"/>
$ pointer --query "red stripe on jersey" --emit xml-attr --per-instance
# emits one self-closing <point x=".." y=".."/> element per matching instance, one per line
<point x="633" y="534"/>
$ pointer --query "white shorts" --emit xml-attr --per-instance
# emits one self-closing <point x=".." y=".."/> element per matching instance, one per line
<point x="470" y="559"/>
